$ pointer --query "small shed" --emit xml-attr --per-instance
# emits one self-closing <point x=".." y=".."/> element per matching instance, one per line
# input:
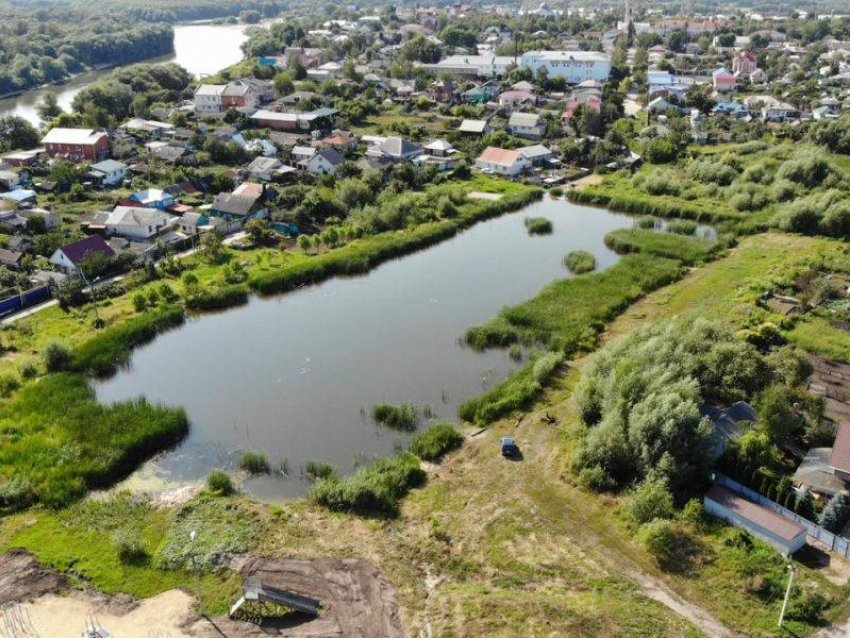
<point x="784" y="535"/>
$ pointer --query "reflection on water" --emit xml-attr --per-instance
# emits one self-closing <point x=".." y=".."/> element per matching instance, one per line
<point x="295" y="376"/>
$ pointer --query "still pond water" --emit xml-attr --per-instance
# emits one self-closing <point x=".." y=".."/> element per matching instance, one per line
<point x="201" y="49"/>
<point x="295" y="376"/>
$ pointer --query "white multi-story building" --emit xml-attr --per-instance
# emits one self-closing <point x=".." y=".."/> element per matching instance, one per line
<point x="574" y="66"/>
<point x="208" y="99"/>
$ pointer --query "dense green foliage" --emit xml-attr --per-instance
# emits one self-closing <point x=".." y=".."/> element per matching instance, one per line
<point x="254" y="463"/>
<point x="640" y="398"/>
<point x="220" y="483"/>
<point x="568" y="314"/>
<point x="58" y="441"/>
<point x="580" y="262"/>
<point x="688" y="250"/>
<point x="436" y="441"/>
<point x="374" y="489"/>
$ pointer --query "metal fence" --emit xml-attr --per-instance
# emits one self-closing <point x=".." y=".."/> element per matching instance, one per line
<point x="832" y="542"/>
<point x="24" y="299"/>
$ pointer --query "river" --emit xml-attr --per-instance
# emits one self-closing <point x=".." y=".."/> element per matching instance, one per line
<point x="201" y="49"/>
<point x="295" y="376"/>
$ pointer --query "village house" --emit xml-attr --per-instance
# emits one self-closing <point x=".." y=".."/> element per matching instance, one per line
<point x="9" y="179"/>
<point x="537" y="154"/>
<point x="267" y="169"/>
<point x="744" y="63"/>
<point x="138" y="224"/>
<point x="393" y="149"/>
<point x="528" y="125"/>
<point x="11" y="258"/>
<point x="513" y="99"/>
<point x="76" y="144"/>
<point x="723" y="81"/>
<point x="501" y="161"/>
<point x="243" y="204"/>
<point x="770" y="109"/>
<point x="152" y="198"/>
<point x="107" y="173"/>
<point x="442" y="91"/>
<point x="474" y="127"/>
<point x="70" y="257"/>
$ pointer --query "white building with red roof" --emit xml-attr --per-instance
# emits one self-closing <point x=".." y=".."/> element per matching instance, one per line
<point x="502" y="161"/>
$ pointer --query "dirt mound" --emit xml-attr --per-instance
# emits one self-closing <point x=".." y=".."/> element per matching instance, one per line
<point x="357" y="601"/>
<point x="23" y="579"/>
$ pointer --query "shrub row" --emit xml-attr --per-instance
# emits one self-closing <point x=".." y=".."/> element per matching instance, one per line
<point x="362" y="256"/>
<point x="688" y="250"/>
<point x="218" y="298"/>
<point x="105" y="353"/>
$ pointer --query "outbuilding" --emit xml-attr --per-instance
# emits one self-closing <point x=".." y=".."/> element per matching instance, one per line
<point x="783" y="534"/>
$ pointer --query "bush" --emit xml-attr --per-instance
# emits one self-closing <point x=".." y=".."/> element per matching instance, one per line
<point x="809" y="607"/>
<point x="650" y="500"/>
<point x="436" y="441"/>
<point x="401" y="417"/>
<point x="712" y="172"/>
<point x="538" y="226"/>
<point x="254" y="463"/>
<point x="220" y="483"/>
<point x="130" y="549"/>
<point x="660" y="539"/>
<point x="28" y="370"/>
<point x="316" y="470"/>
<point x="580" y="262"/>
<point x="545" y="366"/>
<point x="597" y="479"/>
<point x="56" y="356"/>
<point x="374" y="489"/>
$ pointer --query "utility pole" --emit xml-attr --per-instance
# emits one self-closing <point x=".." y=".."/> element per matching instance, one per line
<point x="793" y="569"/>
<point x="93" y="296"/>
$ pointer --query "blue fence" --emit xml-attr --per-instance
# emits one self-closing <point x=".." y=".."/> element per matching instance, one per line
<point x="833" y="542"/>
<point x="24" y="300"/>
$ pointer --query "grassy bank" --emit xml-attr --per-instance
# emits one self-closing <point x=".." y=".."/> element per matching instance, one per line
<point x="218" y="298"/>
<point x="688" y="250"/>
<point x="568" y="314"/>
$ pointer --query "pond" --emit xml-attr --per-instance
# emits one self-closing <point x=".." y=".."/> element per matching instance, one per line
<point x="295" y="376"/>
<point x="201" y="49"/>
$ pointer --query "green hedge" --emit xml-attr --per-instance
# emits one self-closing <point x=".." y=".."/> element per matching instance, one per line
<point x="218" y="298"/>
<point x="110" y="349"/>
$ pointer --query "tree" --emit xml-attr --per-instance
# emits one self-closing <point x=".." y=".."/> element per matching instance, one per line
<point x="421" y="49"/>
<point x="259" y="231"/>
<point x="836" y="513"/>
<point x="49" y="107"/>
<point x="805" y="505"/>
<point x="17" y="133"/>
<point x="304" y="242"/>
<point x="211" y="246"/>
<point x="250" y="16"/>
<point x="774" y="407"/>
<point x="650" y="500"/>
<point x="283" y="83"/>
<point x="676" y="40"/>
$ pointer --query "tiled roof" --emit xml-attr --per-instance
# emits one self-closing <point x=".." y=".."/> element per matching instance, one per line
<point x="500" y="156"/>
<point x="761" y="516"/>
<point x="840" y="457"/>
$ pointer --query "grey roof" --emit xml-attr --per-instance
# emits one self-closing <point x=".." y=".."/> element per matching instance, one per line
<point x="108" y="166"/>
<point x="264" y="164"/>
<point x="233" y="204"/>
<point x="473" y="126"/>
<point x="135" y="216"/>
<point x="814" y="472"/>
<point x="333" y="156"/>
<point x="524" y="119"/>
<point x="399" y="147"/>
<point x="535" y="151"/>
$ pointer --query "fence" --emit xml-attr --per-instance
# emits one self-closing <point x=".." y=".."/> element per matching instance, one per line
<point x="24" y="299"/>
<point x="832" y="542"/>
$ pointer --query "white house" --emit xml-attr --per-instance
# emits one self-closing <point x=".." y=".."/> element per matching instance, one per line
<point x="529" y="125"/>
<point x="108" y="172"/>
<point x="208" y="99"/>
<point x="324" y="162"/>
<point x="573" y="66"/>
<point x="502" y="161"/>
<point x="488" y="65"/>
<point x="139" y="224"/>
<point x="70" y="257"/>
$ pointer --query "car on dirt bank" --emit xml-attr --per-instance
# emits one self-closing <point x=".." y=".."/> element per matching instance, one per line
<point x="509" y="447"/>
